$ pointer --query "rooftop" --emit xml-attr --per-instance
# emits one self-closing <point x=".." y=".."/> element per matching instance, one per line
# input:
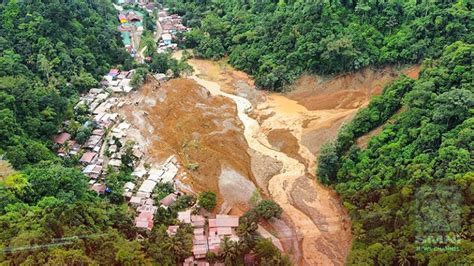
<point x="99" y="188"/>
<point x="227" y="220"/>
<point x="168" y="200"/>
<point x="147" y="186"/>
<point x="185" y="216"/>
<point x="87" y="157"/>
<point x="62" y="138"/>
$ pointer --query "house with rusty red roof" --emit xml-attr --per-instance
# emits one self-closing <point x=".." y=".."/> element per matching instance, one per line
<point x="60" y="139"/>
<point x="88" y="157"/>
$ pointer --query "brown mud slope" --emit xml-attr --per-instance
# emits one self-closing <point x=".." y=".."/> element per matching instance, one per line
<point x="230" y="80"/>
<point x="202" y="130"/>
<point x="284" y="145"/>
<point x="338" y="99"/>
<point x="345" y="91"/>
<point x="284" y="141"/>
<point x="314" y="229"/>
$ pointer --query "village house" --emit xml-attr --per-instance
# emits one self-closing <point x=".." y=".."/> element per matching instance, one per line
<point x="70" y="147"/>
<point x="136" y="201"/>
<point x="88" y="157"/>
<point x="139" y="172"/>
<point x="167" y="201"/>
<point x="115" y="163"/>
<point x="147" y="186"/>
<point x="93" y="142"/>
<point x="166" y="38"/>
<point x="93" y="171"/>
<point x="61" y="138"/>
<point x="209" y="238"/>
<point x="129" y="186"/>
<point x="143" y="195"/>
<point x="144" y="220"/>
<point x="99" y="188"/>
<point x="184" y="216"/>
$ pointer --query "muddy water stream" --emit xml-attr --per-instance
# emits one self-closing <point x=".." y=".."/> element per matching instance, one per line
<point x="313" y="249"/>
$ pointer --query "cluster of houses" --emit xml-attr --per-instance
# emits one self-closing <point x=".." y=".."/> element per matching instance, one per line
<point x="148" y="5"/>
<point x="118" y="81"/>
<point x="131" y="26"/>
<point x="207" y="238"/>
<point x="141" y="198"/>
<point x="105" y="148"/>
<point x="171" y="25"/>
<point x="100" y="103"/>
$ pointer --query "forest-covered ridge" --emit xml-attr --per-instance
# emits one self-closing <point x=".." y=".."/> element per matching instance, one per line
<point x="276" y="41"/>
<point x="410" y="192"/>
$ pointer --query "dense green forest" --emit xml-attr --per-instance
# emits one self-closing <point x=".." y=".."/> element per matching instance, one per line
<point x="276" y="41"/>
<point x="50" y="52"/>
<point x="410" y="193"/>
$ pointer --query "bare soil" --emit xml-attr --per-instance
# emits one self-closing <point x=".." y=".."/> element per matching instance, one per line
<point x="346" y="91"/>
<point x="272" y="148"/>
<point x="201" y="129"/>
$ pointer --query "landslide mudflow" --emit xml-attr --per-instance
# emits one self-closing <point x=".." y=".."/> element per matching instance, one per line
<point x="234" y="138"/>
<point x="181" y="117"/>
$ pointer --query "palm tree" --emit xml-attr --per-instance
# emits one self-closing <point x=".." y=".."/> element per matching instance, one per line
<point x="402" y="258"/>
<point x="230" y="251"/>
<point x="247" y="233"/>
<point x="178" y="247"/>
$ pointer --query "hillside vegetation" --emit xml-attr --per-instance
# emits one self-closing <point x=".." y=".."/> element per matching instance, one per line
<point x="276" y="41"/>
<point x="410" y="193"/>
<point x="50" y="51"/>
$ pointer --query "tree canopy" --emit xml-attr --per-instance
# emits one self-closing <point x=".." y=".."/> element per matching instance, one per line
<point x="409" y="193"/>
<point x="276" y="41"/>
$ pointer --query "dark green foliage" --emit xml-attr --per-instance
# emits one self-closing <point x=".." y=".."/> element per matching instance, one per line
<point x="268" y="209"/>
<point x="207" y="200"/>
<point x="380" y="109"/>
<point x="163" y="63"/>
<point x="50" y="52"/>
<point x="268" y="254"/>
<point x="327" y="163"/>
<point x="276" y="41"/>
<point x="183" y="202"/>
<point x="139" y="77"/>
<point x="409" y="193"/>
<point x="169" y="250"/>
<point x="162" y="190"/>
